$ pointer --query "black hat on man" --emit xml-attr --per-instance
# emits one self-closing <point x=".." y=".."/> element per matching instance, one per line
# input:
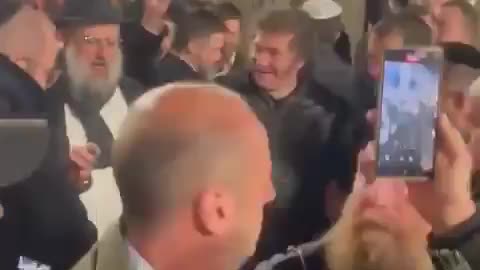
<point x="90" y="12"/>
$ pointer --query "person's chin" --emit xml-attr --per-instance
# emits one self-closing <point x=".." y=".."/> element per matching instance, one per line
<point x="263" y="80"/>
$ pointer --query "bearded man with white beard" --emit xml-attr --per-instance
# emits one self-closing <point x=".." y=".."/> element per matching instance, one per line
<point x="95" y="97"/>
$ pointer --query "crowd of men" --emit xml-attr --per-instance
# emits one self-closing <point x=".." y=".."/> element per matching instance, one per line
<point x="170" y="147"/>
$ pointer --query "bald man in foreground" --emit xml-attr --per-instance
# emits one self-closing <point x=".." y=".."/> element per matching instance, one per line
<point x="192" y="192"/>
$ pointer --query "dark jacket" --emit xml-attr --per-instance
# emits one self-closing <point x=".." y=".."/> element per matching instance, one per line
<point x="330" y="71"/>
<point x="171" y="69"/>
<point x="300" y="132"/>
<point x="139" y="47"/>
<point x="457" y="250"/>
<point x="44" y="217"/>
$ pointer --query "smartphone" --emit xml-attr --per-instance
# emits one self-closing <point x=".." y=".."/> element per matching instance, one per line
<point x="408" y="106"/>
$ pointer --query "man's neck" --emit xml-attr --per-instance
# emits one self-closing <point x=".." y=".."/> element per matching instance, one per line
<point x="284" y="91"/>
<point x="172" y="254"/>
<point x="153" y="25"/>
<point x="188" y="59"/>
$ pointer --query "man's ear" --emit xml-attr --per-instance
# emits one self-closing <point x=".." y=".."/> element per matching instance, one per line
<point x="213" y="212"/>
<point x="300" y="63"/>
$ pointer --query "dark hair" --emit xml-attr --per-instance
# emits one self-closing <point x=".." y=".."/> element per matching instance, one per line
<point x="461" y="54"/>
<point x="468" y="12"/>
<point x="416" y="10"/>
<point x="201" y="23"/>
<point x="8" y="9"/>
<point x="228" y="11"/>
<point x="413" y="29"/>
<point x="296" y="3"/>
<point x="294" y="22"/>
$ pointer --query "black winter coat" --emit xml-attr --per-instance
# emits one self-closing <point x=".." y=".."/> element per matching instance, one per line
<point x="44" y="217"/>
<point x="305" y="131"/>
<point x="171" y="69"/>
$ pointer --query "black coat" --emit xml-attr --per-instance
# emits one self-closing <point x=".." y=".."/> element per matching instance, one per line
<point x="44" y="217"/>
<point x="304" y="134"/>
<point x="139" y="48"/>
<point x="171" y="69"/>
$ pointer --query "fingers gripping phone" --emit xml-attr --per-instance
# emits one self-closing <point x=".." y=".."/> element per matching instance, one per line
<point x="408" y="105"/>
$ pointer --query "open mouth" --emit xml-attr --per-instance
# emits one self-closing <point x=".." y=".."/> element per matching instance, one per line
<point x="263" y="72"/>
<point x="100" y="65"/>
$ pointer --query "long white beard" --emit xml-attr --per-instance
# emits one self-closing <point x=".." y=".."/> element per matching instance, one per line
<point x="84" y="87"/>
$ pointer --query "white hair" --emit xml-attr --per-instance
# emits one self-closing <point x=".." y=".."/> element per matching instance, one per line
<point x="83" y="84"/>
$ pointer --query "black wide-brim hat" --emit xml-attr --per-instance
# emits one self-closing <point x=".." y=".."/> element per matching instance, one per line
<point x="23" y="147"/>
<point x="89" y="12"/>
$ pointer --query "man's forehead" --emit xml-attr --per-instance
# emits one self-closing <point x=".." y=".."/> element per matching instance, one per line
<point x="233" y="25"/>
<point x="275" y="39"/>
<point x="99" y="29"/>
<point x="216" y="39"/>
<point x="450" y="11"/>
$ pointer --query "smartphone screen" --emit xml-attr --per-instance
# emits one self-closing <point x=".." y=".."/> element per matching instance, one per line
<point x="408" y="106"/>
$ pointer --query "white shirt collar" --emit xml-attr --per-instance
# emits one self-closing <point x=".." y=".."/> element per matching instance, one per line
<point x="186" y="61"/>
<point x="136" y="261"/>
<point x="228" y="66"/>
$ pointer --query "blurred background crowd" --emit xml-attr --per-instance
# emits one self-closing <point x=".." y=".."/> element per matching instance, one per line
<point x="188" y="134"/>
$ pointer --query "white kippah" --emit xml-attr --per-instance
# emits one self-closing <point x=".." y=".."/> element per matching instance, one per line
<point x="472" y="2"/>
<point x="474" y="89"/>
<point x="322" y="9"/>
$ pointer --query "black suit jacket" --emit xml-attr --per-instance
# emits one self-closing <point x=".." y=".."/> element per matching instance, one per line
<point x="171" y="69"/>
<point x="44" y="217"/>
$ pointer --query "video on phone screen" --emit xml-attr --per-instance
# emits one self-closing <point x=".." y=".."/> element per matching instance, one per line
<point x="408" y="113"/>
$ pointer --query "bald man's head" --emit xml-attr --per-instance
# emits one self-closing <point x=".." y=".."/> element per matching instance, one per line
<point x="197" y="147"/>
<point x="28" y="38"/>
<point x="180" y="138"/>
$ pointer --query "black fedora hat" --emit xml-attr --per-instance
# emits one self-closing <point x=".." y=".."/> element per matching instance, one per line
<point x="23" y="147"/>
<point x="90" y="12"/>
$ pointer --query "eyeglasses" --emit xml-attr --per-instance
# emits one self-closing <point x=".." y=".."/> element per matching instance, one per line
<point x="105" y="42"/>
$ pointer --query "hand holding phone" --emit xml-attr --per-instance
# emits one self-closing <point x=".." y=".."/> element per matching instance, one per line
<point x="408" y="109"/>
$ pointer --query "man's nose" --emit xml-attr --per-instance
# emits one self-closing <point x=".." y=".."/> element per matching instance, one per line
<point x="100" y="51"/>
<point x="261" y="59"/>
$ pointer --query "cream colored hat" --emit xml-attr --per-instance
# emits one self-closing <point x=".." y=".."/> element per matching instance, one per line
<point x="474" y="89"/>
<point x="322" y="9"/>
